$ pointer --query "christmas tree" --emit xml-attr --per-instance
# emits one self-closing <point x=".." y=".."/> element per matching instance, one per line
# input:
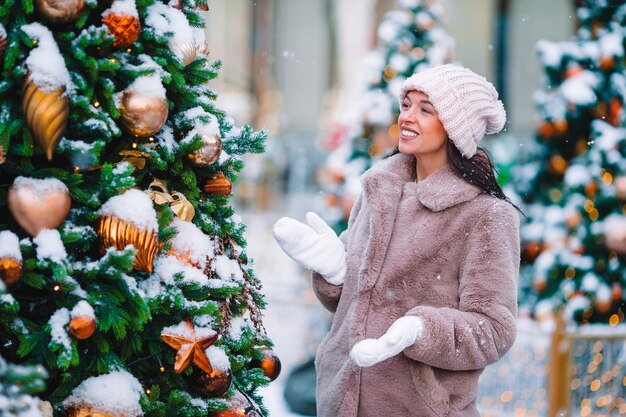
<point x="122" y="260"/>
<point x="17" y="385"/>
<point x="411" y="38"/>
<point x="574" y="242"/>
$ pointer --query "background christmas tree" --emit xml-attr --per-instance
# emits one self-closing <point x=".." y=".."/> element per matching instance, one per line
<point x="18" y="384"/>
<point x="411" y="38"/>
<point x="574" y="242"/>
<point x="124" y="263"/>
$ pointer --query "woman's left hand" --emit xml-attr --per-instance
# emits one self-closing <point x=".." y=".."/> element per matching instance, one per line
<point x="401" y="334"/>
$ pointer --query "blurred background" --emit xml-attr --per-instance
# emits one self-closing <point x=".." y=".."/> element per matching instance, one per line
<point x="320" y="76"/>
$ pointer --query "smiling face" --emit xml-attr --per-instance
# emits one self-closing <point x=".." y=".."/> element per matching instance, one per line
<point x="421" y="132"/>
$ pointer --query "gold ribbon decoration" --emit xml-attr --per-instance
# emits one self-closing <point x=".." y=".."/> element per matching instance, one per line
<point x="179" y="203"/>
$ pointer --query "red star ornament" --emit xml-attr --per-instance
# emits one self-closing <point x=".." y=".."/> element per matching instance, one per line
<point x="190" y="345"/>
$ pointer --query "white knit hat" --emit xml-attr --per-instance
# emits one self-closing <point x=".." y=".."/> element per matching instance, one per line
<point x="466" y="103"/>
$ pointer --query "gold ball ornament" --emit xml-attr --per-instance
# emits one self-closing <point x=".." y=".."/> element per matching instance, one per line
<point x="82" y="327"/>
<point x="218" y="185"/>
<point x="124" y="28"/>
<point x="118" y="233"/>
<point x="209" y="153"/>
<point x="10" y="270"/>
<point x="59" y="11"/>
<point x="46" y="115"/>
<point x="36" y="210"/>
<point x="187" y="52"/>
<point x="270" y="364"/>
<point x="86" y="411"/>
<point x="142" y="115"/>
<point x="209" y="385"/>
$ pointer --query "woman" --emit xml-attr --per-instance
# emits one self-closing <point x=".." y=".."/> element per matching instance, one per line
<point x="423" y="282"/>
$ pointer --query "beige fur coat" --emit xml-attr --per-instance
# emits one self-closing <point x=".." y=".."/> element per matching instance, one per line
<point x="439" y="249"/>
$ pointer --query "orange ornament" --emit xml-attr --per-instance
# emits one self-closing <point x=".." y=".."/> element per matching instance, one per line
<point x="607" y="63"/>
<point x="82" y="327"/>
<point x="125" y="28"/>
<point x="603" y="306"/>
<point x="540" y="284"/>
<point x="615" y="112"/>
<point x="218" y="185"/>
<point x="531" y="251"/>
<point x="270" y="364"/>
<point x="10" y="270"/>
<point x="591" y="188"/>
<point x="561" y="125"/>
<point x="546" y="129"/>
<point x="617" y="292"/>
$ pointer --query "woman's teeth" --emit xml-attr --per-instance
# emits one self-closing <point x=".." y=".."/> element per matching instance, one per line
<point x="408" y="133"/>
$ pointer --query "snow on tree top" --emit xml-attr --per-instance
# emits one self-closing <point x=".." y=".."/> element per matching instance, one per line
<point x="579" y="89"/>
<point x="550" y="53"/>
<point x="170" y="22"/>
<point x="10" y="245"/>
<point x="577" y="175"/>
<point x="192" y="241"/>
<point x="218" y="358"/>
<point x="50" y="246"/>
<point x="611" y="44"/>
<point x="82" y="309"/>
<point x="183" y="329"/>
<point x="122" y="8"/>
<point x="149" y="86"/>
<point x="133" y="206"/>
<point x="40" y="187"/>
<point x="117" y="393"/>
<point x="45" y="64"/>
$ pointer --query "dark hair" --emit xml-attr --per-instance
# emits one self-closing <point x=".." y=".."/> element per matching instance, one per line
<point x="478" y="170"/>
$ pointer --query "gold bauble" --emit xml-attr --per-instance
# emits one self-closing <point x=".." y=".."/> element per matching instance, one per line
<point x="82" y="327"/>
<point x="270" y="364"/>
<point x="125" y="28"/>
<point x="86" y="411"/>
<point x="209" y="153"/>
<point x="59" y="11"/>
<point x="142" y="115"/>
<point x="36" y="211"/>
<point x="46" y="115"/>
<point x="118" y="233"/>
<point x="209" y="385"/>
<point x="10" y="270"/>
<point x="187" y="52"/>
<point x="218" y="185"/>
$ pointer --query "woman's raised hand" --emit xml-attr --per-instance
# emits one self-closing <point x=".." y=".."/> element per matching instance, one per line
<point x="315" y="246"/>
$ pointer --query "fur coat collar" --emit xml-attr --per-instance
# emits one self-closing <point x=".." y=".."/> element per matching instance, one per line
<point x="439" y="191"/>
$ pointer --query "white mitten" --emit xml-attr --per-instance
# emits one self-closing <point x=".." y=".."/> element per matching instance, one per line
<point x="401" y="334"/>
<point x="316" y="246"/>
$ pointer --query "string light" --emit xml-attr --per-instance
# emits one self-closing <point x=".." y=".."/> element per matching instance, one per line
<point x="129" y="50"/>
<point x="162" y="369"/>
<point x="56" y="288"/>
<point x="134" y="145"/>
<point x="96" y="104"/>
<point x="148" y="391"/>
